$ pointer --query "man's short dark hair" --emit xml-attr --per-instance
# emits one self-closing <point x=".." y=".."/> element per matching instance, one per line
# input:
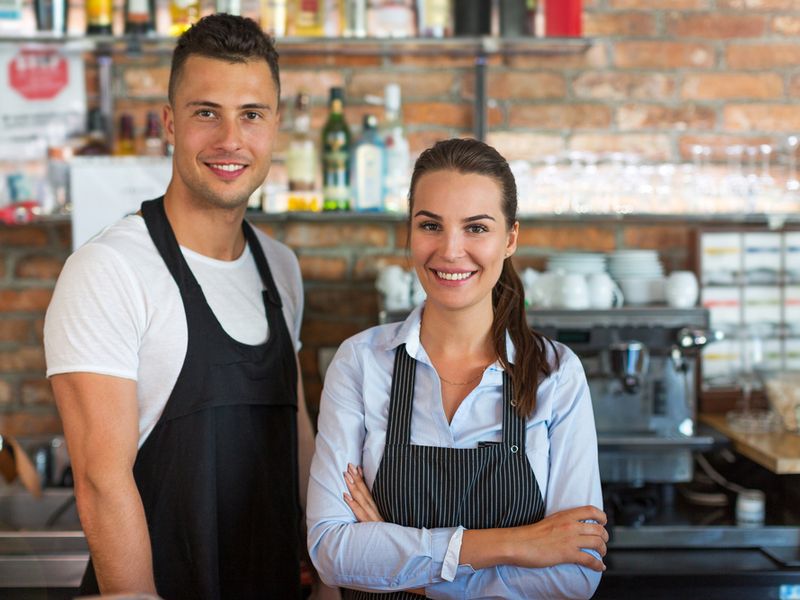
<point x="224" y="37"/>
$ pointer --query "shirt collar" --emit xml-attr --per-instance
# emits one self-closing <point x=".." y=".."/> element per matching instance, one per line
<point x="408" y="333"/>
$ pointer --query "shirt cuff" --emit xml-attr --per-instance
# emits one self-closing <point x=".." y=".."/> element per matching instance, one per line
<point x="450" y="563"/>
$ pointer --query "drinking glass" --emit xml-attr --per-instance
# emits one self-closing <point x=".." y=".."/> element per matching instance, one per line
<point x="745" y="418"/>
<point x="792" y="182"/>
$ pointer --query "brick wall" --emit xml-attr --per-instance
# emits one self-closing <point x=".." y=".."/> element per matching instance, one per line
<point x="658" y="76"/>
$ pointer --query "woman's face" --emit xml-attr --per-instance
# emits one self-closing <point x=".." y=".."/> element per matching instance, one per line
<point x="459" y="238"/>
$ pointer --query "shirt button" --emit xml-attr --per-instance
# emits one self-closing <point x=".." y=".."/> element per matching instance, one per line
<point x="514" y="449"/>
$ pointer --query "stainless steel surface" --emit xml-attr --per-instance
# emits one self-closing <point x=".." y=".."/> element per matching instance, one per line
<point x="41" y="542"/>
<point x="698" y="536"/>
<point x="629" y="363"/>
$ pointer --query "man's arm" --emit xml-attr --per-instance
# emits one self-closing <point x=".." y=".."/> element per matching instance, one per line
<point x="101" y="425"/>
<point x="305" y="438"/>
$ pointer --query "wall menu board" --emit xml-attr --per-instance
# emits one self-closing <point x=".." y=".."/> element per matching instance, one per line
<point x="750" y="283"/>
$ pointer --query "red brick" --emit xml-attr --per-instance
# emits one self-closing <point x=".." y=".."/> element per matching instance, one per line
<point x="367" y="267"/>
<point x="323" y="235"/>
<point x="27" y="358"/>
<point x="309" y="365"/>
<point x="63" y="233"/>
<point x="661" y="4"/>
<point x="419" y="140"/>
<point x="656" y="237"/>
<point x="623" y="86"/>
<point x="440" y="114"/>
<point x="560" y="116"/>
<point x="38" y="330"/>
<point x="401" y="235"/>
<point x="271" y="229"/>
<point x="594" y="57"/>
<point x="762" y="117"/>
<point x="37" y="392"/>
<point x="413" y="84"/>
<point x="14" y="330"/>
<point x="22" y="424"/>
<point x="31" y="299"/>
<point x="567" y="237"/>
<point x="433" y="61"/>
<point x="6" y="393"/>
<point x="146" y="82"/>
<point x="712" y="86"/>
<point x="794" y="87"/>
<point x="328" y="60"/>
<point x="662" y="55"/>
<point x="687" y="116"/>
<point x="346" y="303"/>
<point x="519" y="85"/>
<point x="525" y="146"/>
<point x="323" y="268"/>
<point x="23" y="235"/>
<point x="785" y="25"/>
<point x="622" y="24"/>
<point x="715" y="26"/>
<point x="650" y="146"/>
<point x="315" y="82"/>
<point x="757" y="5"/>
<point x="320" y="332"/>
<point x="38" y="267"/>
<point x="522" y="262"/>
<point x="762" y="56"/>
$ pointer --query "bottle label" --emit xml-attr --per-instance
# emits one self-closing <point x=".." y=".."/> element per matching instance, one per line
<point x="98" y="12"/>
<point x="138" y="11"/>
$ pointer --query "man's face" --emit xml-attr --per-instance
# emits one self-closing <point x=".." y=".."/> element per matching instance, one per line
<point x="222" y="124"/>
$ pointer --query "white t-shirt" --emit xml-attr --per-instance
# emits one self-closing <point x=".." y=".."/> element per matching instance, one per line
<point x="116" y="310"/>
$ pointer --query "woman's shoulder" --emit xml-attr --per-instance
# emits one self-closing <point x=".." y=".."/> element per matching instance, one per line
<point x="376" y="338"/>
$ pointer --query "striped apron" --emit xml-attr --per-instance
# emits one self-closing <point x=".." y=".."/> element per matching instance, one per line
<point x="490" y="486"/>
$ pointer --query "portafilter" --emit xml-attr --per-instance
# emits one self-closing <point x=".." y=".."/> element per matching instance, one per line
<point x="629" y="362"/>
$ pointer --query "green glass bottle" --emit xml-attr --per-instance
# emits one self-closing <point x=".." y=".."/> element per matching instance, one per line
<point x="336" y="156"/>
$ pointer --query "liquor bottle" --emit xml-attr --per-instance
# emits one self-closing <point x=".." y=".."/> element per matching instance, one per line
<point x="51" y="15"/>
<point x="336" y="156"/>
<point x="434" y="18"/>
<point x="140" y="17"/>
<point x="354" y="18"/>
<point x="273" y="17"/>
<point x="531" y="16"/>
<point x="301" y="160"/>
<point x="308" y="18"/>
<point x="368" y="168"/>
<point x="183" y="13"/>
<point x="99" y="17"/>
<point x="472" y="17"/>
<point x="126" y="141"/>
<point x="97" y="137"/>
<point x="153" y="140"/>
<point x="397" y="152"/>
<point x="230" y="7"/>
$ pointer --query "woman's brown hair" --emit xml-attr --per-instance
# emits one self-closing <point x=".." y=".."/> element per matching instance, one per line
<point x="508" y="297"/>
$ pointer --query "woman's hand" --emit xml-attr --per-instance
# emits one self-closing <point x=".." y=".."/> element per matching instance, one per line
<point x="561" y="538"/>
<point x="360" y="499"/>
<point x="557" y="539"/>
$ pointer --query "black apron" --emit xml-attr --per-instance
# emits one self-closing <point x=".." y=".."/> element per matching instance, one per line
<point x="218" y="473"/>
<point x="490" y="486"/>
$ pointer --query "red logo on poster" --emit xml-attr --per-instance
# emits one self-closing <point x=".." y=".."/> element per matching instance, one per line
<point x="38" y="74"/>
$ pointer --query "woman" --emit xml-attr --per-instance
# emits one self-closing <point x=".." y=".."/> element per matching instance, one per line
<point x="475" y="435"/>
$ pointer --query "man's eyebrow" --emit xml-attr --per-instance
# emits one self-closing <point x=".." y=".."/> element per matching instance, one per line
<point x="248" y="106"/>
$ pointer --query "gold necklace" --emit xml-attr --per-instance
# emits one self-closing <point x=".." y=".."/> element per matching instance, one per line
<point x="478" y="376"/>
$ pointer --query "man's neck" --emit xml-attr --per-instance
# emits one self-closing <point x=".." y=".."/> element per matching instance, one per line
<point x="207" y="230"/>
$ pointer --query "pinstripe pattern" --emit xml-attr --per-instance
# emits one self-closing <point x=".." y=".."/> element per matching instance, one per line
<point x="429" y="486"/>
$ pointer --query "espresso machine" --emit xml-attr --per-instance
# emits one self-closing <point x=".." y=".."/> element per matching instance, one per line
<point x="640" y="364"/>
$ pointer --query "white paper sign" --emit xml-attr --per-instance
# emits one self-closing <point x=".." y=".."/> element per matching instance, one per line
<point x="42" y="97"/>
<point x="105" y="189"/>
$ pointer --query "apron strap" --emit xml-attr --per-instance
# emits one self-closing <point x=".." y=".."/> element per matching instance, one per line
<point x="401" y="399"/>
<point x="155" y="217"/>
<point x="513" y="424"/>
<point x="270" y="289"/>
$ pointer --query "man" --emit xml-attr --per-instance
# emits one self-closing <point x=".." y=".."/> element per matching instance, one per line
<point x="171" y="346"/>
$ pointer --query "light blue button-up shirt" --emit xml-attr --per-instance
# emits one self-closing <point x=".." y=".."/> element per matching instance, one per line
<point x="561" y="446"/>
